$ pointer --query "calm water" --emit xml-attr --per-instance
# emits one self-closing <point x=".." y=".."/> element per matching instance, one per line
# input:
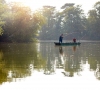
<point x="44" y="66"/>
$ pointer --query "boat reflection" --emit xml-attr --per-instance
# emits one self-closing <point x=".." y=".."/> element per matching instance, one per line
<point x="68" y="61"/>
<point x="74" y="48"/>
<point x="61" y="50"/>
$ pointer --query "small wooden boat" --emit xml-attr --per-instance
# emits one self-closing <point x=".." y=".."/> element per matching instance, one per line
<point x="67" y="43"/>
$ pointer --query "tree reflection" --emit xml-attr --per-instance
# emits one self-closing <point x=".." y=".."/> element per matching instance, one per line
<point x="3" y="74"/>
<point x="70" y="59"/>
<point x="71" y="62"/>
<point x="66" y="58"/>
<point x="18" y="61"/>
<point x="93" y="54"/>
<point x="48" y="54"/>
<point x="50" y="67"/>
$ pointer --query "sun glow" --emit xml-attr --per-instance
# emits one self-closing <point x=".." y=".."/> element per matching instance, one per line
<point x="36" y="4"/>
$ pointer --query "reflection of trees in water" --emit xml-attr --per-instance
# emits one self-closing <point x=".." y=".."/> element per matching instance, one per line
<point x="66" y="58"/>
<point x="50" y="67"/>
<point x="18" y="61"/>
<point x="92" y="54"/>
<point x="3" y="74"/>
<point x="97" y="72"/>
<point x="48" y="54"/>
<point x="61" y="58"/>
<point x="72" y="65"/>
<point x="70" y="59"/>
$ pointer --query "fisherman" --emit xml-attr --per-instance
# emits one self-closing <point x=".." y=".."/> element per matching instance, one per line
<point x="61" y="38"/>
<point x="74" y="40"/>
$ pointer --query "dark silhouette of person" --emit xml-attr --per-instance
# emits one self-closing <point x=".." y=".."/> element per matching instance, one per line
<point x="61" y="38"/>
<point x="74" y="40"/>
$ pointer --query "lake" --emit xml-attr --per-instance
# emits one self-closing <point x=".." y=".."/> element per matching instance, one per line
<point x="44" y="66"/>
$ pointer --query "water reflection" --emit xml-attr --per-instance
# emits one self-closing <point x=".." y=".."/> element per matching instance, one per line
<point x="19" y="61"/>
<point x="68" y="62"/>
<point x="65" y="58"/>
<point x="71" y="59"/>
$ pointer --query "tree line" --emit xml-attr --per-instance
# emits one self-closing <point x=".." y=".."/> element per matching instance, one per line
<point x="18" y="23"/>
<point x="72" y="22"/>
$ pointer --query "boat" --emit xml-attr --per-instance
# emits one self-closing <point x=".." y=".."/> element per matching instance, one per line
<point x="67" y="43"/>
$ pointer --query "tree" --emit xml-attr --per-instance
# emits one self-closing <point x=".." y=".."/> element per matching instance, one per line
<point x="74" y="20"/>
<point x="94" y="22"/>
<point x="58" y="25"/>
<point x="48" y="29"/>
<point x="21" y="24"/>
<point x="3" y="10"/>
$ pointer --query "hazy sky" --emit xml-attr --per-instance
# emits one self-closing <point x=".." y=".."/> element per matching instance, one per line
<point x="34" y="4"/>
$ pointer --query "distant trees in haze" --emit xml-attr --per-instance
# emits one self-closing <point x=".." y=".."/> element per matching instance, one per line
<point x="94" y="22"/>
<point x="19" y="24"/>
<point x="72" y="22"/>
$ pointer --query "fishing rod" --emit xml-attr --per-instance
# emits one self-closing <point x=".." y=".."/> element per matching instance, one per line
<point x="66" y="34"/>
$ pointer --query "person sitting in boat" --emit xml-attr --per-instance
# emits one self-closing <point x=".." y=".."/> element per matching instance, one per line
<point x="61" y="38"/>
<point x="74" y="40"/>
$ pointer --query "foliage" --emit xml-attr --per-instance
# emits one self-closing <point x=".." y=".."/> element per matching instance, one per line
<point x="69" y="20"/>
<point x="73" y="20"/>
<point x="3" y="7"/>
<point x="94" y="22"/>
<point x="48" y="29"/>
<point x="21" y="25"/>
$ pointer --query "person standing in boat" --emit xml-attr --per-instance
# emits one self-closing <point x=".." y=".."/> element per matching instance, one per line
<point x="74" y="40"/>
<point x="61" y="38"/>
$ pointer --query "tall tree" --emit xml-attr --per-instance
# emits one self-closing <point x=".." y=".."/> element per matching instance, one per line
<point x="94" y="22"/>
<point x="48" y="29"/>
<point x="74" y="20"/>
<point x="58" y="25"/>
